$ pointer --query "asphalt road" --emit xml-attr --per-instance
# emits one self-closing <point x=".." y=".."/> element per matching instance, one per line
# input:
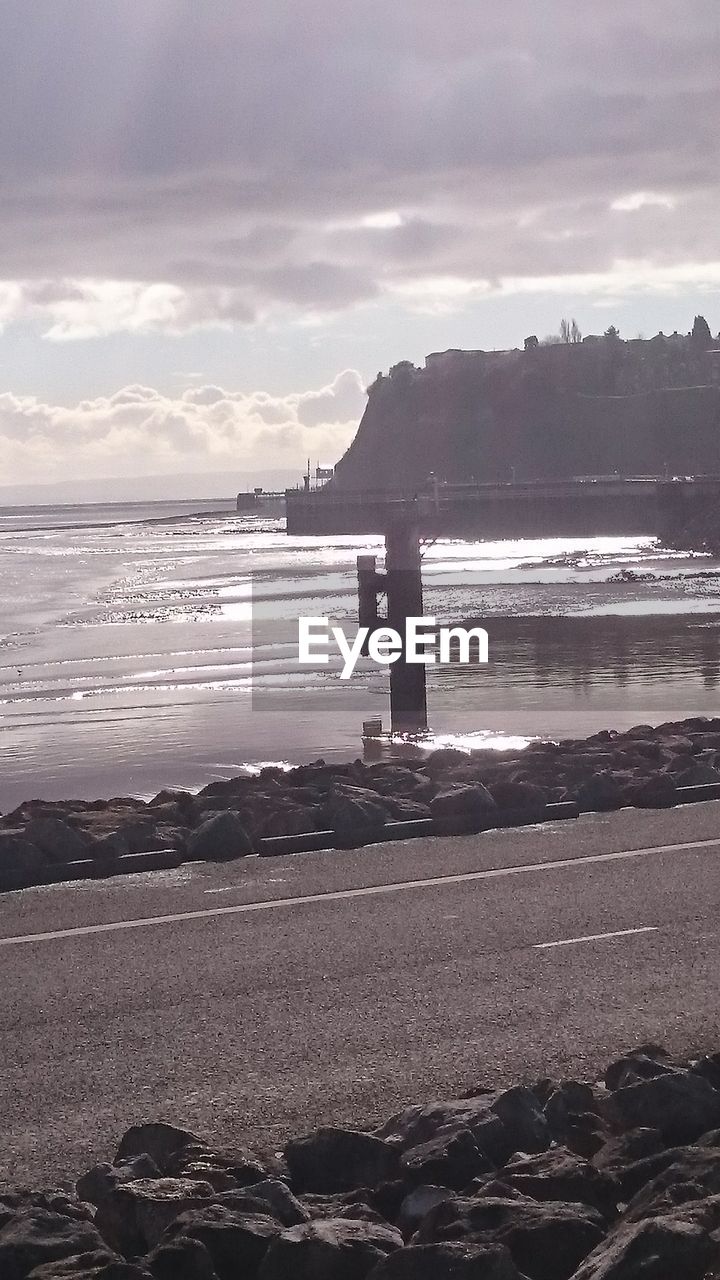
<point x="257" y="999"/>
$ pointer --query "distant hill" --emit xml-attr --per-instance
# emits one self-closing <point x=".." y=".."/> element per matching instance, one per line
<point x="176" y="488"/>
<point x="591" y="407"/>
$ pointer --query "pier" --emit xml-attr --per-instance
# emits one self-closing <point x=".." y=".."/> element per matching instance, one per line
<point x="532" y="509"/>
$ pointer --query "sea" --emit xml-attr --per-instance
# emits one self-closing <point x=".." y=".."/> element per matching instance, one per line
<point x="150" y="646"/>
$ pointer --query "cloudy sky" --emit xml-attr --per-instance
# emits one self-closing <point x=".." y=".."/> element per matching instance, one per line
<point x="220" y="219"/>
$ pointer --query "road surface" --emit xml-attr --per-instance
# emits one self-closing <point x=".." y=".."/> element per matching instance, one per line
<point x="256" y="999"/>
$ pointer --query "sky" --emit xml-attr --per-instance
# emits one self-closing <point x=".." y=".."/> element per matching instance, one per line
<point x="220" y="219"/>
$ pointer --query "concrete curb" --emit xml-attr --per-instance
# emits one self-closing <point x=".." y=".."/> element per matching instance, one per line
<point x="13" y="879"/>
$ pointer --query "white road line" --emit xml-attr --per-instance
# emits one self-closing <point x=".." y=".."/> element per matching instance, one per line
<point x="273" y="904"/>
<point x="594" y="937"/>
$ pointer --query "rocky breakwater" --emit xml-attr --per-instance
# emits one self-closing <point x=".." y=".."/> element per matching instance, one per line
<point x="319" y="805"/>
<point x="553" y="1180"/>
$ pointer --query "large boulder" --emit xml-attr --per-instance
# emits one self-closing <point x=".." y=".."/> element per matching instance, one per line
<point x="333" y="1249"/>
<point x="560" y="1175"/>
<point x="339" y="1160"/>
<point x="134" y="1215"/>
<point x="355" y="811"/>
<point x="221" y="837"/>
<point x="693" y="1173"/>
<point x="451" y="1158"/>
<point x="522" y="798"/>
<point x="657" y="792"/>
<point x="58" y="840"/>
<point x="448" y="1262"/>
<point x="600" y="793"/>
<point x="181" y="1259"/>
<point x="661" y="1249"/>
<point x="99" y="1182"/>
<point x="500" y="1123"/>
<point x="548" y="1241"/>
<point x="472" y="801"/>
<point x="236" y="1242"/>
<point x="641" y="1064"/>
<point x="271" y="1196"/>
<point x="165" y="1144"/>
<point x="680" y="1104"/>
<point x="17" y="853"/>
<point x="34" y="1236"/>
<point x="417" y="1203"/>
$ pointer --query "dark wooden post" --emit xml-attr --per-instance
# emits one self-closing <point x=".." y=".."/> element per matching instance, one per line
<point x="403" y="581"/>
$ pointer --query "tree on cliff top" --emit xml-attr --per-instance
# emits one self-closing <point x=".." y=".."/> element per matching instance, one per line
<point x="570" y="331"/>
<point x="701" y="332"/>
<point x="612" y="332"/>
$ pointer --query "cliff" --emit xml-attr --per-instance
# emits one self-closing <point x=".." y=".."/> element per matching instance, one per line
<point x="589" y="408"/>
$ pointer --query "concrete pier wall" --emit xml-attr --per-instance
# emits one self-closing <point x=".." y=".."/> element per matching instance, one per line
<point x="583" y="508"/>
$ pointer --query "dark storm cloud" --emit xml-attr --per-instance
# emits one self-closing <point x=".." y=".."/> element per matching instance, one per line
<point x="239" y="155"/>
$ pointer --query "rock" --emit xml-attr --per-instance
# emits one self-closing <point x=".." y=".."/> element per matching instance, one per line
<point x="681" y="1105"/>
<point x="209" y="1169"/>
<point x="709" y="1068"/>
<point x="182" y="800"/>
<point x="220" y="837"/>
<point x="560" y="1175"/>
<point x="57" y="1202"/>
<point x="181" y="1259"/>
<point x="463" y="801"/>
<point x="352" y="1204"/>
<point x="333" y="1249"/>
<point x="600" y="793"/>
<point x="291" y="820"/>
<point x="641" y="1064"/>
<point x="417" y="1203"/>
<point x="619" y="1152"/>
<point x="34" y="1236"/>
<point x="396" y="780"/>
<point x="99" y="1265"/>
<point x="500" y="1123"/>
<point x="165" y="1144"/>
<point x="236" y="1242"/>
<point x="697" y="775"/>
<point x="97" y="1184"/>
<point x="444" y="760"/>
<point x="520" y="797"/>
<point x="448" y="1262"/>
<point x="547" y="1241"/>
<point x="657" y="792"/>
<point x="694" y="1167"/>
<point x="57" y="840"/>
<point x="134" y="1215"/>
<point x="178" y="1153"/>
<point x="107" y="848"/>
<point x="451" y="1158"/>
<point x="661" y="1249"/>
<point x="18" y="854"/>
<point x="408" y="810"/>
<point x="355" y="810"/>
<point x="571" y="1098"/>
<point x="339" y="1160"/>
<point x="523" y="1120"/>
<point x="269" y="1196"/>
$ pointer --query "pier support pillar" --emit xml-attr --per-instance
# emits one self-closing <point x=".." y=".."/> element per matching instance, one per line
<point x="403" y="582"/>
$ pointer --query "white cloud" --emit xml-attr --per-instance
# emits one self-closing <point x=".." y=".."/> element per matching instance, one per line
<point x="642" y="200"/>
<point x="141" y="430"/>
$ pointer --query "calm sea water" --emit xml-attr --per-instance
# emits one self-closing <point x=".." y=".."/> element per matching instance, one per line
<point x="129" y="660"/>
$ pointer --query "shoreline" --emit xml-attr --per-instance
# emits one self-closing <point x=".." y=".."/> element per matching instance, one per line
<point x="324" y="805"/>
